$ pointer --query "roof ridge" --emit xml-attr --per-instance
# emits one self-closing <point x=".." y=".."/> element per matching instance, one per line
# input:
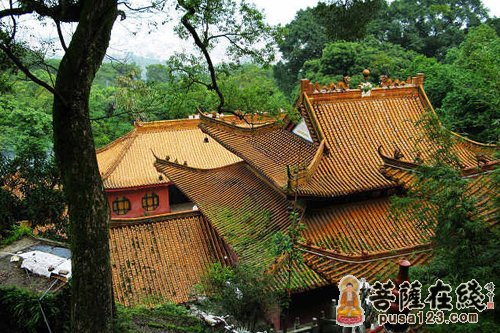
<point x="126" y="222"/>
<point x="242" y="129"/>
<point x="411" y="166"/>
<point x="375" y="256"/>
<point x="119" y="157"/>
<point x="174" y="164"/>
<point x="309" y="109"/>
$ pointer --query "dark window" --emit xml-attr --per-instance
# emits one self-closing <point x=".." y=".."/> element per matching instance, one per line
<point x="150" y="201"/>
<point x="176" y="196"/>
<point x="121" y="205"/>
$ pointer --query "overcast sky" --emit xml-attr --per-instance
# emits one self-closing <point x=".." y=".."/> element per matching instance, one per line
<point x="135" y="36"/>
<point x="163" y="43"/>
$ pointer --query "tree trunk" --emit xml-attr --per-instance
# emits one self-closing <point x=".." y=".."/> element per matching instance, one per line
<point x="92" y="299"/>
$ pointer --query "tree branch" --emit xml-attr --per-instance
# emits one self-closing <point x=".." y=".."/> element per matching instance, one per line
<point x="61" y="37"/>
<point x="63" y="12"/>
<point x="229" y="34"/>
<point x="187" y="24"/>
<point x="27" y="72"/>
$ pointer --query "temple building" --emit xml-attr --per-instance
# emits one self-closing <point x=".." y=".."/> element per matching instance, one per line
<point x="337" y="167"/>
<point x="133" y="186"/>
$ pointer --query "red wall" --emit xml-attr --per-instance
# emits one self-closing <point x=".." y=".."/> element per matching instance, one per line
<point x="135" y="196"/>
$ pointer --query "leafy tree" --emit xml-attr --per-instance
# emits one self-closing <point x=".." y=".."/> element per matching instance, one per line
<point x="302" y="39"/>
<point x="239" y="24"/>
<point x="439" y="198"/>
<point x="305" y="37"/>
<point x="244" y="292"/>
<point x="109" y="72"/>
<point x="23" y="127"/>
<point x="429" y="27"/>
<point x="157" y="73"/>
<point x="252" y="89"/>
<point x="352" y="57"/>
<point x="92" y="301"/>
<point x="472" y="104"/>
<point x="286" y="245"/>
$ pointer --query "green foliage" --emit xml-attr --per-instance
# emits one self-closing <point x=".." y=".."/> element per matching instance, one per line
<point x="464" y="246"/>
<point x="286" y="245"/>
<point x="31" y="189"/>
<point x="240" y="226"/>
<point x="240" y="24"/>
<point x="305" y="37"/>
<point x="167" y="317"/>
<point x="243" y="292"/>
<point x="21" y="310"/>
<point x="21" y="313"/>
<point x="472" y="104"/>
<point x="109" y="72"/>
<point x="14" y="233"/>
<point x="252" y="89"/>
<point x="351" y="58"/>
<point x="25" y="121"/>
<point x="429" y="27"/>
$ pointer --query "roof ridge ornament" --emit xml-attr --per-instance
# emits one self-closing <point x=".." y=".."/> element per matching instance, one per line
<point x="385" y="81"/>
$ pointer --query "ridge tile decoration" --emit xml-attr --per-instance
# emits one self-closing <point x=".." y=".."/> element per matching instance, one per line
<point x="128" y="162"/>
<point x="243" y="209"/>
<point x="354" y="126"/>
<point x="159" y="261"/>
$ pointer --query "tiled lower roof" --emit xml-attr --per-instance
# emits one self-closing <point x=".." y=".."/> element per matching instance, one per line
<point x="302" y="277"/>
<point x="361" y="228"/>
<point x="244" y="210"/>
<point x="380" y="269"/>
<point x="482" y="184"/>
<point x="162" y="260"/>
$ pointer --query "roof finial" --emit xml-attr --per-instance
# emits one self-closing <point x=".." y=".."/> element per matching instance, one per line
<point x="366" y="74"/>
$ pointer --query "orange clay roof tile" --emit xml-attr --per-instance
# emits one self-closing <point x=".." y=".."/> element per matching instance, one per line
<point x="162" y="260"/>
<point x="244" y="210"/>
<point x="381" y="269"/>
<point x="128" y="161"/>
<point x="482" y="184"/>
<point x="352" y="128"/>
<point x="268" y="150"/>
<point x="361" y="229"/>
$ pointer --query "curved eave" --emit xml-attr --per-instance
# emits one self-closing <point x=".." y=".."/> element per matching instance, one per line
<point x="249" y="129"/>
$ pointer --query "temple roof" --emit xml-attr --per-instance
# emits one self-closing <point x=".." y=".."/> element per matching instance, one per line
<point x="128" y="162"/>
<point x="161" y="260"/>
<point x="482" y="184"/>
<point x="244" y="209"/>
<point x="347" y="129"/>
<point x="268" y="149"/>
<point x="361" y="229"/>
<point x="382" y="268"/>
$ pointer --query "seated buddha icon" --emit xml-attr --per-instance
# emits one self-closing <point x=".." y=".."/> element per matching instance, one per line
<point x="349" y="312"/>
